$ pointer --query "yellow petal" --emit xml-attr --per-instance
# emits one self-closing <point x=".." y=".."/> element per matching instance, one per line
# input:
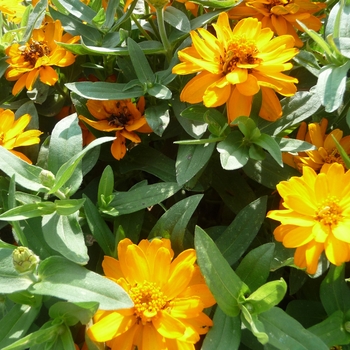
<point x="312" y="255"/>
<point x="186" y="307"/>
<point x="168" y="326"/>
<point x="297" y="237"/>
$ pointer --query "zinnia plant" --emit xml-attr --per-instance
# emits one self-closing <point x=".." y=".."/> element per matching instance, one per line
<point x="174" y="175"/>
<point x="168" y="294"/>
<point x="235" y="65"/>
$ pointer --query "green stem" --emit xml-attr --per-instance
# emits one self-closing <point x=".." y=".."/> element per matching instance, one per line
<point x="162" y="32"/>
<point x="144" y="33"/>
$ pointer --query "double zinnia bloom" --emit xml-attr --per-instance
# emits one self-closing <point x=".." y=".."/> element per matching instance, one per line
<point x="12" y="133"/>
<point x="35" y="58"/>
<point x="316" y="217"/>
<point x="326" y="152"/>
<point x="168" y="294"/>
<point x="123" y="117"/>
<point x="235" y="65"/>
<point x="281" y="15"/>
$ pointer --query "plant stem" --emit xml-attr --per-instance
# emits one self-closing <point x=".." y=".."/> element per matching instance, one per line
<point x="163" y="34"/>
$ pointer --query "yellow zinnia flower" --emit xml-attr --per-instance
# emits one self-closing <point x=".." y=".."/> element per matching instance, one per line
<point x="281" y="15"/>
<point x="122" y="117"/>
<point x="326" y="152"/>
<point x="35" y="58"/>
<point x="168" y="294"/>
<point x="235" y="65"/>
<point x="317" y="216"/>
<point x="12" y="133"/>
<point x="13" y="10"/>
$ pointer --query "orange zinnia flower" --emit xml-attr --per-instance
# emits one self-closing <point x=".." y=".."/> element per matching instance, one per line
<point x="12" y="133"/>
<point x="122" y="117"/>
<point x="168" y="294"/>
<point x="281" y="15"/>
<point x="316" y="217"/>
<point x="326" y="152"/>
<point x="36" y="58"/>
<point x="235" y="65"/>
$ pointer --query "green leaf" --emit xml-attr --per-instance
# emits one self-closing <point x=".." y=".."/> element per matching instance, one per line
<point x="64" y="279"/>
<point x="308" y="60"/>
<point x="234" y="241"/>
<point x="331" y="85"/>
<point x="35" y="19"/>
<point x="159" y="91"/>
<point x="66" y="171"/>
<point x="254" y="269"/>
<point x="222" y="281"/>
<point x="334" y="292"/>
<point x="234" y="154"/>
<point x="68" y="206"/>
<point x="10" y="280"/>
<point x="72" y="313"/>
<point x="331" y="331"/>
<point x="150" y="160"/>
<point x="270" y="145"/>
<point x="16" y="323"/>
<point x="65" y="142"/>
<point x="266" y="296"/>
<point x="142" y="68"/>
<point x="342" y="152"/>
<point x="104" y="91"/>
<point x="140" y="198"/>
<point x="216" y="121"/>
<point x="158" y="118"/>
<point x="174" y="221"/>
<point x="63" y="234"/>
<point x="255" y="325"/>
<point x="27" y="211"/>
<point x="105" y="186"/>
<point x="195" y="112"/>
<point x="343" y="45"/>
<point x="191" y="159"/>
<point x="286" y="333"/>
<point x="27" y="175"/>
<point x="218" y="3"/>
<point x="292" y="145"/>
<point x="225" y="333"/>
<point x="78" y="10"/>
<point x="98" y="227"/>
<point x="268" y="173"/>
<point x="177" y="19"/>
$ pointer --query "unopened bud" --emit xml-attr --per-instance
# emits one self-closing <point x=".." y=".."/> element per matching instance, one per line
<point x="47" y="178"/>
<point x="24" y="260"/>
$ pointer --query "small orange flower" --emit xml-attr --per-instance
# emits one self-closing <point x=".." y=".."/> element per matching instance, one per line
<point x="122" y="117"/>
<point x="281" y="15"/>
<point x="36" y="58"/>
<point x="235" y="65"/>
<point x="169" y="296"/>
<point x="326" y="152"/>
<point x="12" y="133"/>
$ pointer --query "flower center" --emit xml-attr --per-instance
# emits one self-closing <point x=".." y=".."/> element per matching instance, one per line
<point x="334" y="157"/>
<point x="274" y="3"/>
<point x="329" y="212"/>
<point x="240" y="51"/>
<point x="148" y="300"/>
<point x="122" y="117"/>
<point x="33" y="51"/>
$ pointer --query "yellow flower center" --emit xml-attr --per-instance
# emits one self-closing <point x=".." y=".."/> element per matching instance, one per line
<point x="148" y="300"/>
<point x="329" y="212"/>
<point x="122" y="117"/>
<point x="239" y="51"/>
<point x="34" y="50"/>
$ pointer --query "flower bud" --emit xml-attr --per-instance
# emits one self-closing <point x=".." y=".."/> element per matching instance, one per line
<point x="24" y="260"/>
<point x="47" y="178"/>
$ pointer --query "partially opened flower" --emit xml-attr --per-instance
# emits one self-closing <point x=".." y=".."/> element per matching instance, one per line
<point x="235" y="65"/>
<point x="281" y="15"/>
<point x="12" y="133"/>
<point x="120" y="116"/>
<point x="36" y="57"/>
<point x="168" y="294"/>
<point x="316" y="217"/>
<point x="326" y="152"/>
